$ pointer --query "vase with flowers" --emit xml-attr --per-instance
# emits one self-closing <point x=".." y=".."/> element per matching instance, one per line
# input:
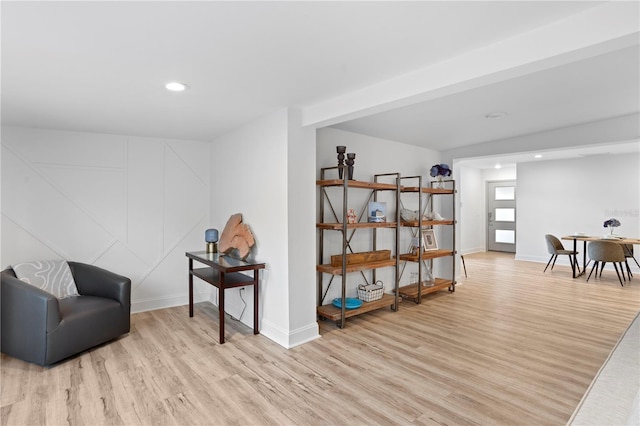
<point x="611" y="223"/>
<point x="440" y="171"/>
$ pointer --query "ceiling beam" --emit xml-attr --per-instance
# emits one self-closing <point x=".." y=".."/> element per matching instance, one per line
<point x="596" y="31"/>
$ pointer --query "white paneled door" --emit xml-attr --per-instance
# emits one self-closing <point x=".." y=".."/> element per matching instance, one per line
<point x="501" y="216"/>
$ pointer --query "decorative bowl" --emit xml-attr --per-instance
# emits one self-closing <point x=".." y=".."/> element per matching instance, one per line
<point x="351" y="303"/>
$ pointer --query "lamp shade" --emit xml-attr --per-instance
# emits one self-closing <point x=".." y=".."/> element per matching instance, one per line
<point x="211" y="235"/>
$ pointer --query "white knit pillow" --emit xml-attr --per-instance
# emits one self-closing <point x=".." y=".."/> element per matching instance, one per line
<point x="52" y="276"/>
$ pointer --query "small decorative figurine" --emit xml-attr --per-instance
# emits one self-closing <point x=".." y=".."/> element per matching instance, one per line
<point x="351" y="216"/>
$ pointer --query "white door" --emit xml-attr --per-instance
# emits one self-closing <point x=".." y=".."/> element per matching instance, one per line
<point x="501" y="216"/>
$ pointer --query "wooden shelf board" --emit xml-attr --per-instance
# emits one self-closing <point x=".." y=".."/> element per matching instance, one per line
<point x="411" y="290"/>
<point x="332" y="313"/>
<point x="358" y="184"/>
<point x="426" y="190"/>
<point x="337" y="270"/>
<point x="414" y="223"/>
<point x="427" y="254"/>
<point x="359" y="225"/>
<point x="382" y="186"/>
<point x="231" y="279"/>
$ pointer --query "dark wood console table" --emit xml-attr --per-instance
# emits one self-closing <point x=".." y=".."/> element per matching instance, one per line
<point x="224" y="272"/>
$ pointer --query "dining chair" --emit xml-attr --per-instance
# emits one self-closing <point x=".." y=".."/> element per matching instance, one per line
<point x="602" y="252"/>
<point x="555" y="247"/>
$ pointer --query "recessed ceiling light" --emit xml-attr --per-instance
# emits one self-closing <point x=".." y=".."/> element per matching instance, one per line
<point x="176" y="86"/>
<point x="537" y="156"/>
<point x="497" y="166"/>
<point x="495" y="115"/>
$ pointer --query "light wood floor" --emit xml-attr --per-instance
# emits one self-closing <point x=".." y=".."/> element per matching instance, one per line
<point x="511" y="346"/>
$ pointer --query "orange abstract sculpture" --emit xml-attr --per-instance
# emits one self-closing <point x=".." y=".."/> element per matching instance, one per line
<point x="236" y="235"/>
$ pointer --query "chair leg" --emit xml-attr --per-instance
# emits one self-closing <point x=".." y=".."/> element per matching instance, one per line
<point x="629" y="274"/>
<point x="555" y="256"/>
<point x="465" y="266"/>
<point x="545" y="268"/>
<point x="601" y="268"/>
<point x="595" y="266"/>
<point x="629" y="253"/>
<point x="618" y="273"/>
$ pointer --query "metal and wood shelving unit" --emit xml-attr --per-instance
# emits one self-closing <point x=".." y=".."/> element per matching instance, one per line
<point x="421" y="257"/>
<point x="332" y="220"/>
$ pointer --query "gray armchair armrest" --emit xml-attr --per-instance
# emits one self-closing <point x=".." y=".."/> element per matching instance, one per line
<point x="31" y="312"/>
<point x="94" y="281"/>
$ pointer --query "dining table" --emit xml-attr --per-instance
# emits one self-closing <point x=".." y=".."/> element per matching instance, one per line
<point x="586" y="238"/>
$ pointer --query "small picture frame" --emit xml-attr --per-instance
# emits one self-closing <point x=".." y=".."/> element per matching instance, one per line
<point x="429" y="240"/>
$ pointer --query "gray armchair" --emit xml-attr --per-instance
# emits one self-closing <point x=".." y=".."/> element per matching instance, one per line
<point x="39" y="328"/>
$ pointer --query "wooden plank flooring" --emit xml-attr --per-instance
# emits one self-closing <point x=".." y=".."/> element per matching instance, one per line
<point x="511" y="346"/>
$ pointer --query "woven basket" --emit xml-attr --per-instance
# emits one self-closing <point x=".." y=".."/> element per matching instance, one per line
<point x="371" y="292"/>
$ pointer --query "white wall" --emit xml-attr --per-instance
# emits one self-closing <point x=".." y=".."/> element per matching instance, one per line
<point x="251" y="174"/>
<point x="136" y="205"/>
<point x="470" y="210"/>
<point x="373" y="156"/>
<point x="504" y="173"/>
<point x="301" y="208"/>
<point x="563" y="197"/>
<point x="128" y="204"/>
<point x="556" y="197"/>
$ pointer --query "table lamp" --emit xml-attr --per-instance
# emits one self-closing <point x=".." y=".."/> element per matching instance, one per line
<point x="211" y="237"/>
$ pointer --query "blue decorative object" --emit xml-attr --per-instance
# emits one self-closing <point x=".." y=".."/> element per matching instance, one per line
<point x="440" y="170"/>
<point x="351" y="303"/>
<point x="612" y="223"/>
<point x="211" y="235"/>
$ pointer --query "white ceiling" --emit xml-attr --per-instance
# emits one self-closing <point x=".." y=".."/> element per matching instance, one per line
<point x="101" y="67"/>
<point x="593" y="89"/>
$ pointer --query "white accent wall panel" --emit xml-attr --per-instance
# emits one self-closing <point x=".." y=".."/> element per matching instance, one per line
<point x="128" y="204"/>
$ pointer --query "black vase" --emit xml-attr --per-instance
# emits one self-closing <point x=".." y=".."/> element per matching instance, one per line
<point x="341" y="150"/>
<point x="350" y="160"/>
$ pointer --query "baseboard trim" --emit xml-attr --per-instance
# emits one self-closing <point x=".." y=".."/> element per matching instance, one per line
<point x="289" y="339"/>
<point x="285" y="338"/>
<point x="472" y="250"/>
<point x="153" y="304"/>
